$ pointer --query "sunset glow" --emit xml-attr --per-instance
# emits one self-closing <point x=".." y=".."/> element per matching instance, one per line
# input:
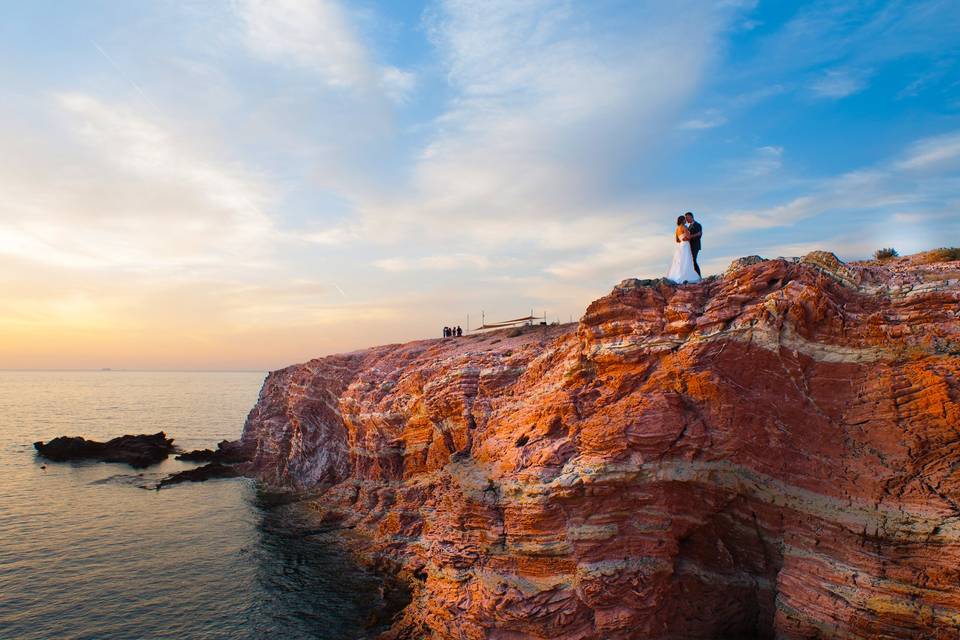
<point x="247" y="184"/>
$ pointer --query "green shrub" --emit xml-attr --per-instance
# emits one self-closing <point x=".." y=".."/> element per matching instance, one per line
<point x="885" y="254"/>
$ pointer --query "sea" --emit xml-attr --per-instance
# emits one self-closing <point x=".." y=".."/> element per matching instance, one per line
<point x="89" y="550"/>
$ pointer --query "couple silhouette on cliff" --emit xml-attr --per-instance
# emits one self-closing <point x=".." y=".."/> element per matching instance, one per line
<point x="684" y="268"/>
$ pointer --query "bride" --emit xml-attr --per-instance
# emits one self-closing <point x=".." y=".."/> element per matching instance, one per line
<point x="681" y="270"/>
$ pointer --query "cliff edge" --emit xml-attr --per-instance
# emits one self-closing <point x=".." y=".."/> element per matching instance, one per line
<point x="774" y="452"/>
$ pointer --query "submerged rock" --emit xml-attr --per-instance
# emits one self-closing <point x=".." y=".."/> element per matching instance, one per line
<point x="138" y="451"/>
<point x="771" y="453"/>
<point x="201" y="474"/>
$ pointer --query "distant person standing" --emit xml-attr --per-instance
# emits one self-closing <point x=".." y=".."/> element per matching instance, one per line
<point x="459" y="332"/>
<point x="696" y="232"/>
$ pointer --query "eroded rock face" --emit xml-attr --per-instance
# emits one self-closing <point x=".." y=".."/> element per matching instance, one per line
<point x="771" y="453"/>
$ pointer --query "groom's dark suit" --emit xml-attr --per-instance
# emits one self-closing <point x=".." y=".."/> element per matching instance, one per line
<point x="695" y="229"/>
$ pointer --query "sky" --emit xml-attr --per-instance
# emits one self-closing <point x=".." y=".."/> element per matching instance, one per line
<point x="246" y="184"/>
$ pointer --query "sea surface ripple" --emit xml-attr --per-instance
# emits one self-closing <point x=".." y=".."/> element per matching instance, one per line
<point x="86" y="552"/>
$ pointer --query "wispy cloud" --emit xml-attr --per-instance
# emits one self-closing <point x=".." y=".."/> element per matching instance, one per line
<point x="839" y="83"/>
<point x="318" y="36"/>
<point x="706" y="120"/>
<point x="457" y="261"/>
<point x="931" y="153"/>
<point x="537" y="89"/>
<point x="334" y="236"/>
<point x="781" y="215"/>
<point x="911" y="181"/>
<point x="860" y="34"/>
<point x="397" y="84"/>
<point x="924" y="217"/>
<point x="609" y="260"/>
<point x="315" y="35"/>
<point x="764" y="161"/>
<point x="126" y="191"/>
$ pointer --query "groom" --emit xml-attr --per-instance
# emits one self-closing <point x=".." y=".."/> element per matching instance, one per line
<point x="696" y="231"/>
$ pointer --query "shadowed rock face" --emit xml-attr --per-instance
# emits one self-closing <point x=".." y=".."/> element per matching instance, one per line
<point x="771" y="453"/>
<point x="138" y="451"/>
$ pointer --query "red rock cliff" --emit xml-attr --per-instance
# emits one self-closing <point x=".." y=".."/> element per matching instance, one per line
<point x="771" y="453"/>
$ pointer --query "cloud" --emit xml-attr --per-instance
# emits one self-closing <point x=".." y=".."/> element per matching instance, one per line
<point x="458" y="261"/>
<point x="780" y="215"/>
<point x="926" y="79"/>
<point x="707" y="120"/>
<point x="900" y="189"/>
<point x="314" y="34"/>
<point x="397" y="84"/>
<point x="334" y="236"/>
<point x="730" y="107"/>
<point x="931" y="153"/>
<point x="535" y="159"/>
<point x="861" y="35"/>
<point x="764" y="161"/>
<point x="537" y="89"/>
<point x="547" y="106"/>
<point x="839" y="83"/>
<point x="922" y="217"/>
<point x="627" y="254"/>
<point x="120" y="189"/>
<point x="270" y="152"/>
<point x="317" y="36"/>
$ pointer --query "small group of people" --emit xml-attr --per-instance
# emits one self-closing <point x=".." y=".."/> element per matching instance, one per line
<point x="684" y="269"/>
<point x="452" y="332"/>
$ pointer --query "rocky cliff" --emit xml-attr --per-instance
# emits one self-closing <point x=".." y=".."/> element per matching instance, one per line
<point x="770" y="453"/>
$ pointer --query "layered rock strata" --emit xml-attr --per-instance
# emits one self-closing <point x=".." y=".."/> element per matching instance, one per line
<point x="770" y="453"/>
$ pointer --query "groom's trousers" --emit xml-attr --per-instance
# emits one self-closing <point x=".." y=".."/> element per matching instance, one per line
<point x="696" y="265"/>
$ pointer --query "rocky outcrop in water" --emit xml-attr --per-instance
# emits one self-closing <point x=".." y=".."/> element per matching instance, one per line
<point x="203" y="473"/>
<point x="227" y="452"/>
<point x="138" y="451"/>
<point x="222" y="463"/>
<point x="770" y="453"/>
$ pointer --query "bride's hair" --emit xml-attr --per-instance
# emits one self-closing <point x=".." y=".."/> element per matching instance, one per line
<point x="681" y="220"/>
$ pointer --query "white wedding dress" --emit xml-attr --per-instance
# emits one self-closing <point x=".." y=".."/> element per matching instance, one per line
<point x="681" y="270"/>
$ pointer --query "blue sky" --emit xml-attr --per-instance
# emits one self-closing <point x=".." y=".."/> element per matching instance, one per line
<point x="250" y="183"/>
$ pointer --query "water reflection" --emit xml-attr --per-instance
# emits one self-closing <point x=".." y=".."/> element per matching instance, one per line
<point x="312" y="588"/>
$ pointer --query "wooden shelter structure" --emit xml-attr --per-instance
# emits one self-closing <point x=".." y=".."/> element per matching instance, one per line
<point x="526" y="320"/>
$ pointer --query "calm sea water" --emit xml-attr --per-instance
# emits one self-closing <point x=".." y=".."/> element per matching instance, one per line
<point x="86" y="552"/>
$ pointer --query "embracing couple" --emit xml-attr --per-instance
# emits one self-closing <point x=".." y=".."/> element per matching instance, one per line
<point x="684" y="268"/>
